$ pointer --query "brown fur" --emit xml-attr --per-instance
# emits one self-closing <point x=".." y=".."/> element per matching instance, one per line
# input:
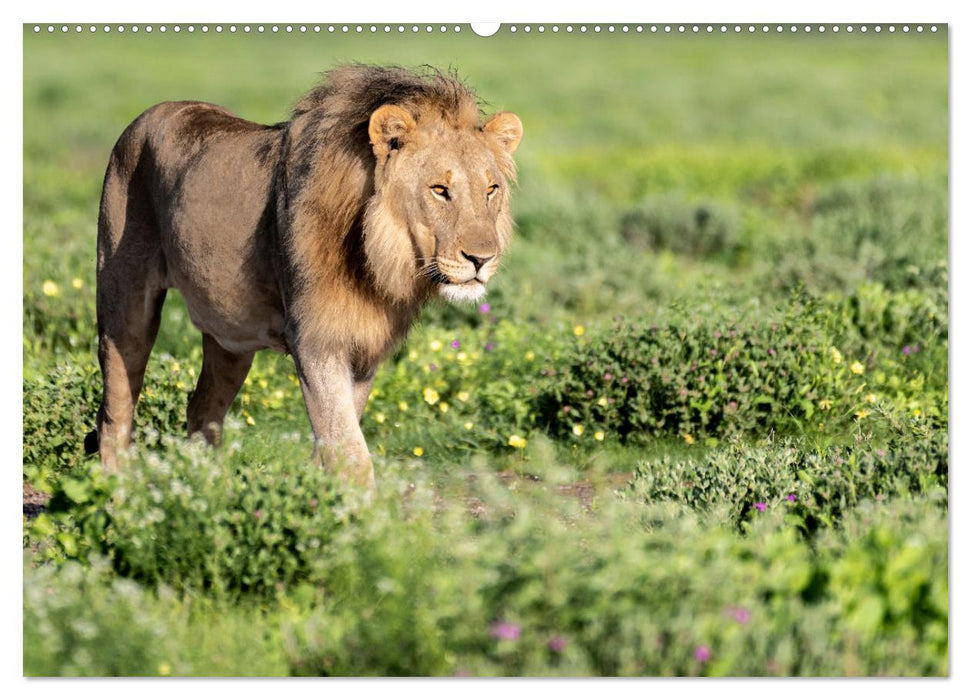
<point x="322" y="237"/>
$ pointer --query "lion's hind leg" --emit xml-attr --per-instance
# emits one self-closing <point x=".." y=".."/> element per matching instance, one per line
<point x="222" y="375"/>
<point x="131" y="291"/>
<point x="124" y="345"/>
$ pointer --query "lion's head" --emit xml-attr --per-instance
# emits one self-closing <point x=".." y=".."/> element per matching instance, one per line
<point x="439" y="218"/>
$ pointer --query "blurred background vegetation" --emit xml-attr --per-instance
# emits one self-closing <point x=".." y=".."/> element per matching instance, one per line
<point x="717" y="349"/>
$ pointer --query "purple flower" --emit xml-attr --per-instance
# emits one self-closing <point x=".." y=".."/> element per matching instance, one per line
<point x="741" y="615"/>
<point x="456" y="344"/>
<point x="733" y="405"/>
<point x="702" y="653"/>
<point x="506" y="631"/>
<point x="760" y="506"/>
<point x="484" y="308"/>
<point x="608" y="376"/>
<point x="916" y="347"/>
<point x="906" y="349"/>
<point x="432" y="367"/>
<point x="791" y="498"/>
<point x="488" y="347"/>
<point x="557" y="644"/>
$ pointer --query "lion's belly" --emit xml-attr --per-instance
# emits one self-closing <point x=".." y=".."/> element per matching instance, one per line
<point x="238" y="327"/>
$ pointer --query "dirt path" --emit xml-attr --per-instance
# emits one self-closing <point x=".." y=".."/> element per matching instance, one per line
<point x="34" y="501"/>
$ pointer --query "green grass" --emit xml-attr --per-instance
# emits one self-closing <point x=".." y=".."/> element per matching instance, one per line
<point x="701" y="431"/>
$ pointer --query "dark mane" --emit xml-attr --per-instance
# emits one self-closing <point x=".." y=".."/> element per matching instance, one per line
<point x="349" y="94"/>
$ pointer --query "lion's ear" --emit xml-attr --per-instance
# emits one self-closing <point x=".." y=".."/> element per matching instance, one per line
<point x="387" y="127"/>
<point x="507" y="127"/>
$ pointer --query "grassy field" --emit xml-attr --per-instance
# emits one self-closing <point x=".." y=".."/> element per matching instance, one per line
<point x="700" y="428"/>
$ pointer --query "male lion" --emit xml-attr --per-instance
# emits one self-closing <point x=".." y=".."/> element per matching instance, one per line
<point x="321" y="237"/>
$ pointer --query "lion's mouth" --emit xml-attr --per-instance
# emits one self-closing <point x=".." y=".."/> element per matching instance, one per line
<point x="469" y="291"/>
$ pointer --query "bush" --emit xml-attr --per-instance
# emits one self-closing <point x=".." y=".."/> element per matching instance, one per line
<point x="59" y="408"/>
<point x="180" y="515"/>
<point x="812" y="487"/>
<point x="696" y="378"/>
<point x="83" y="622"/>
<point x="688" y="228"/>
<point x="887" y="230"/>
<point x="534" y="591"/>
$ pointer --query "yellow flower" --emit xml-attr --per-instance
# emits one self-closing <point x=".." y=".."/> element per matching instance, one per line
<point x="836" y="355"/>
<point x="530" y="355"/>
<point x="50" y="288"/>
<point x="412" y="355"/>
<point x="379" y="417"/>
<point x="826" y="404"/>
<point x="578" y="430"/>
<point x="418" y="452"/>
<point x="77" y="283"/>
<point x="862" y="413"/>
<point x="443" y="407"/>
<point x="402" y="406"/>
<point x="263" y="383"/>
<point x="250" y="421"/>
<point x="870" y="398"/>
<point x="462" y="396"/>
<point x="164" y="669"/>
<point x="176" y="367"/>
<point x="430" y="396"/>
<point x="462" y="356"/>
<point x="468" y="425"/>
<point x="688" y="439"/>
<point x="917" y="413"/>
<point x="435" y="345"/>
<point x="602" y="401"/>
<point x="599" y="435"/>
<point x="857" y="368"/>
<point x="517" y="441"/>
<point x="579" y="330"/>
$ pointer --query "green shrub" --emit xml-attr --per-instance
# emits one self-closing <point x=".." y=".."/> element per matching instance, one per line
<point x="183" y="516"/>
<point x="689" y="228"/>
<point x="695" y="378"/>
<point x="59" y="409"/>
<point x="813" y="487"/>
<point x="909" y="325"/>
<point x="887" y="230"/>
<point x="84" y="622"/>
<point x="533" y="588"/>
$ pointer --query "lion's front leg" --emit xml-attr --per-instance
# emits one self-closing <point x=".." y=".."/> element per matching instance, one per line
<point x="329" y="392"/>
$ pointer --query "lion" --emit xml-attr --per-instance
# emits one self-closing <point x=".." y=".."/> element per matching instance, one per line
<point x="321" y="237"/>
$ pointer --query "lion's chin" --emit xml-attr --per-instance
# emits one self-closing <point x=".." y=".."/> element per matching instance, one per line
<point x="467" y="292"/>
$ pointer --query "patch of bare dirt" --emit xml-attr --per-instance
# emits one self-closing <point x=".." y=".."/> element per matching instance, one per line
<point x="34" y="501"/>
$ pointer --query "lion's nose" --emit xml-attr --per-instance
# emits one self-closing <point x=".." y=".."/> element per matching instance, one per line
<point x="477" y="260"/>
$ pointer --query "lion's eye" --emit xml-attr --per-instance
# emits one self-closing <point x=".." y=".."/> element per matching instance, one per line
<point x="492" y="190"/>
<point x="441" y="191"/>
